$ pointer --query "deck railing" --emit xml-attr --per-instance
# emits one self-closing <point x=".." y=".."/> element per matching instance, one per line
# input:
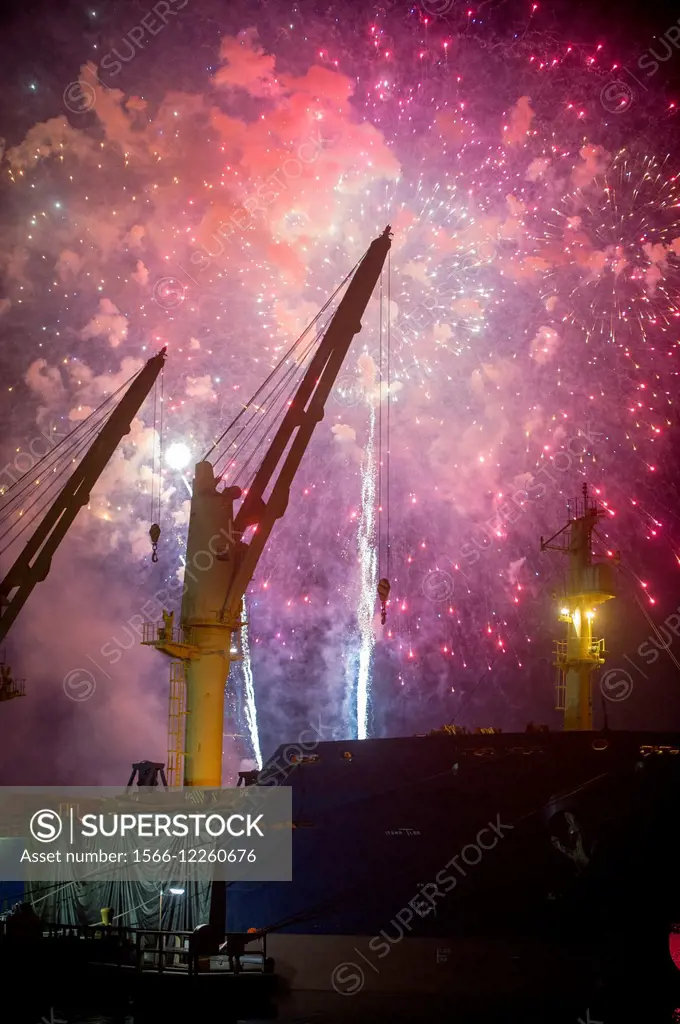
<point x="146" y="950"/>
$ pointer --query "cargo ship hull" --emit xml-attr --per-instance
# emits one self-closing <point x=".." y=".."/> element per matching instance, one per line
<point x="448" y="863"/>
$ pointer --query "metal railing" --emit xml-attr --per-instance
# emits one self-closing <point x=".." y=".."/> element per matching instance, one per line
<point x="595" y="649"/>
<point x="157" y="633"/>
<point x="146" y="950"/>
<point x="9" y="689"/>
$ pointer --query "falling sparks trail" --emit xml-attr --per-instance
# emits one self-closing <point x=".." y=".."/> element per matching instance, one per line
<point x="251" y="709"/>
<point x="368" y="577"/>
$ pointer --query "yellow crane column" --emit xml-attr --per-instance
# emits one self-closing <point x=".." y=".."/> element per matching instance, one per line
<point x="212" y="553"/>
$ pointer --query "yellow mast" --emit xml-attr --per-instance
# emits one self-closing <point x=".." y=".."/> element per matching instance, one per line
<point x="589" y="584"/>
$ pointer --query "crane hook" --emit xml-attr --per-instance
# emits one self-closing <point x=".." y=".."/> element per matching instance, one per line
<point x="154" y="533"/>
<point x="383" y="594"/>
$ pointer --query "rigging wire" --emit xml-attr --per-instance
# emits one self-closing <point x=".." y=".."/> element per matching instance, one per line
<point x="290" y="372"/>
<point x="43" y="497"/>
<point x="274" y="412"/>
<point x="160" y="445"/>
<point x="48" y="456"/>
<point x="380" y="429"/>
<point x="389" y="398"/>
<point x="78" y="447"/>
<point x="153" y="452"/>
<point x="154" y="529"/>
<point x="283" y="359"/>
<point x="65" y="457"/>
<point x="258" y="417"/>
<point x="384" y="580"/>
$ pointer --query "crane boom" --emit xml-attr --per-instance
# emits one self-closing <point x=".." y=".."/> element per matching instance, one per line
<point x="33" y="564"/>
<point x="220" y="563"/>
<point x="304" y="412"/>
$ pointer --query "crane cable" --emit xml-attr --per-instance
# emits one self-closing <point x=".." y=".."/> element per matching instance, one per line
<point x="44" y="498"/>
<point x="26" y="483"/>
<point x="155" y="530"/>
<point x="283" y="393"/>
<point x="384" y="581"/>
<point x="280" y="365"/>
<point x="68" y="449"/>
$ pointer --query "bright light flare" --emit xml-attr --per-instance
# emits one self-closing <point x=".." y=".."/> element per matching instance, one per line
<point x="178" y="456"/>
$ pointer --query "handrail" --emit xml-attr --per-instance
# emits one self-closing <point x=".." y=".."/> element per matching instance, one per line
<point x="147" y="949"/>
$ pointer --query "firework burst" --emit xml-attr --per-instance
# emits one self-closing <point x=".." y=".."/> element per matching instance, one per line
<point x="532" y="309"/>
<point x="614" y="249"/>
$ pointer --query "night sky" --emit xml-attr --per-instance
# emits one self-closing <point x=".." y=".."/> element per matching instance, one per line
<point x="204" y="176"/>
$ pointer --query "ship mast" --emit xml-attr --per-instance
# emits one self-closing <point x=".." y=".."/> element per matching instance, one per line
<point x="589" y="584"/>
<point x="206" y="642"/>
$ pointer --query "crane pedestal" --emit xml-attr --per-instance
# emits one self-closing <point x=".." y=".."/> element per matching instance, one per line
<point x="207" y="640"/>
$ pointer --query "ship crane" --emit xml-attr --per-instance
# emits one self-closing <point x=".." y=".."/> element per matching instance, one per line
<point x="33" y="563"/>
<point x="224" y="547"/>
<point x="589" y="584"/>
